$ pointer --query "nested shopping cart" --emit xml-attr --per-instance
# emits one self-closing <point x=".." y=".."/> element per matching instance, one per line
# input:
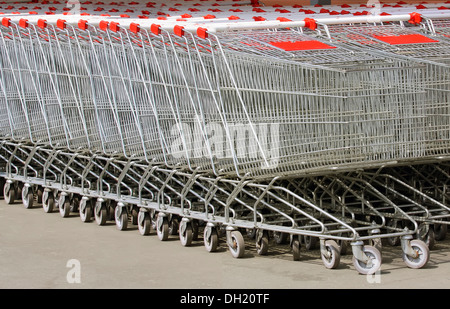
<point x="413" y="45"/>
<point x="431" y="51"/>
<point x="439" y="27"/>
<point x="223" y="131"/>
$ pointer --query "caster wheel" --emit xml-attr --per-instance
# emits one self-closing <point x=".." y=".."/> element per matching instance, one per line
<point x="64" y="206"/>
<point x="262" y="244"/>
<point x="186" y="234"/>
<point x="332" y="259"/>
<point x="173" y="226"/>
<point x="162" y="228"/>
<point x="85" y="210"/>
<point x="236" y="244"/>
<point x="100" y="213"/>
<point x="111" y="206"/>
<point x="372" y="265"/>
<point x="27" y="197"/>
<point x="422" y="255"/>
<point x="75" y="204"/>
<point x="211" y="239"/>
<point x="296" y="245"/>
<point x="195" y="225"/>
<point x="19" y="190"/>
<point x="144" y="223"/>
<point x="2" y="186"/>
<point x="134" y="215"/>
<point x="121" y="217"/>
<point x="39" y="193"/>
<point x="9" y="193"/>
<point x="48" y="201"/>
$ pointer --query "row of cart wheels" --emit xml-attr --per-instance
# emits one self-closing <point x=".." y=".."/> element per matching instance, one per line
<point x="165" y="225"/>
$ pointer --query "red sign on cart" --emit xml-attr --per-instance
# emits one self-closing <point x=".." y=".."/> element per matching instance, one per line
<point x="301" y="45"/>
<point x="405" y="39"/>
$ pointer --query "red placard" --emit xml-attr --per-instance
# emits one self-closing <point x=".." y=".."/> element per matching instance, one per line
<point x="301" y="45"/>
<point x="405" y="39"/>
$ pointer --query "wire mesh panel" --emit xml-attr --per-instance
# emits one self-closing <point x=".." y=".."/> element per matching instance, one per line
<point x="47" y="104"/>
<point x="283" y="130"/>
<point x="230" y="103"/>
<point x="258" y="103"/>
<point x="339" y="108"/>
<point x="5" y="98"/>
<point x="70" y="88"/>
<point x="441" y="27"/>
<point x="428" y="51"/>
<point x="262" y="103"/>
<point x="16" y="86"/>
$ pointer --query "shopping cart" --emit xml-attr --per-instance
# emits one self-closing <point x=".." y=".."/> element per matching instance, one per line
<point x="208" y="129"/>
<point x="409" y="42"/>
<point x="436" y="27"/>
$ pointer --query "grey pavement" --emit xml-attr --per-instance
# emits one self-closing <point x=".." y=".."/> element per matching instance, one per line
<point x="40" y="250"/>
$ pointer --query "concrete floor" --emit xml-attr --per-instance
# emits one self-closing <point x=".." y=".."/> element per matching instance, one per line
<point x="37" y="250"/>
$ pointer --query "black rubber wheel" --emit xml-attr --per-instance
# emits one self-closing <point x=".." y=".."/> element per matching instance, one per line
<point x="237" y="244"/>
<point x="64" y="206"/>
<point x="85" y="210"/>
<point x="9" y="193"/>
<point x="296" y="245"/>
<point x="144" y="223"/>
<point x="48" y="201"/>
<point x="211" y="239"/>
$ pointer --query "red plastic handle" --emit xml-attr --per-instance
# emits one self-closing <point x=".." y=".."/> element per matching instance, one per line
<point x="135" y="28"/>
<point x="310" y="23"/>
<point x="83" y="24"/>
<point x="155" y="29"/>
<point x="42" y="23"/>
<point x="202" y="32"/>
<point x="103" y="25"/>
<point x="416" y="18"/>
<point x="23" y="23"/>
<point x="6" y="22"/>
<point x="61" y="24"/>
<point x="114" y="26"/>
<point x="178" y="30"/>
